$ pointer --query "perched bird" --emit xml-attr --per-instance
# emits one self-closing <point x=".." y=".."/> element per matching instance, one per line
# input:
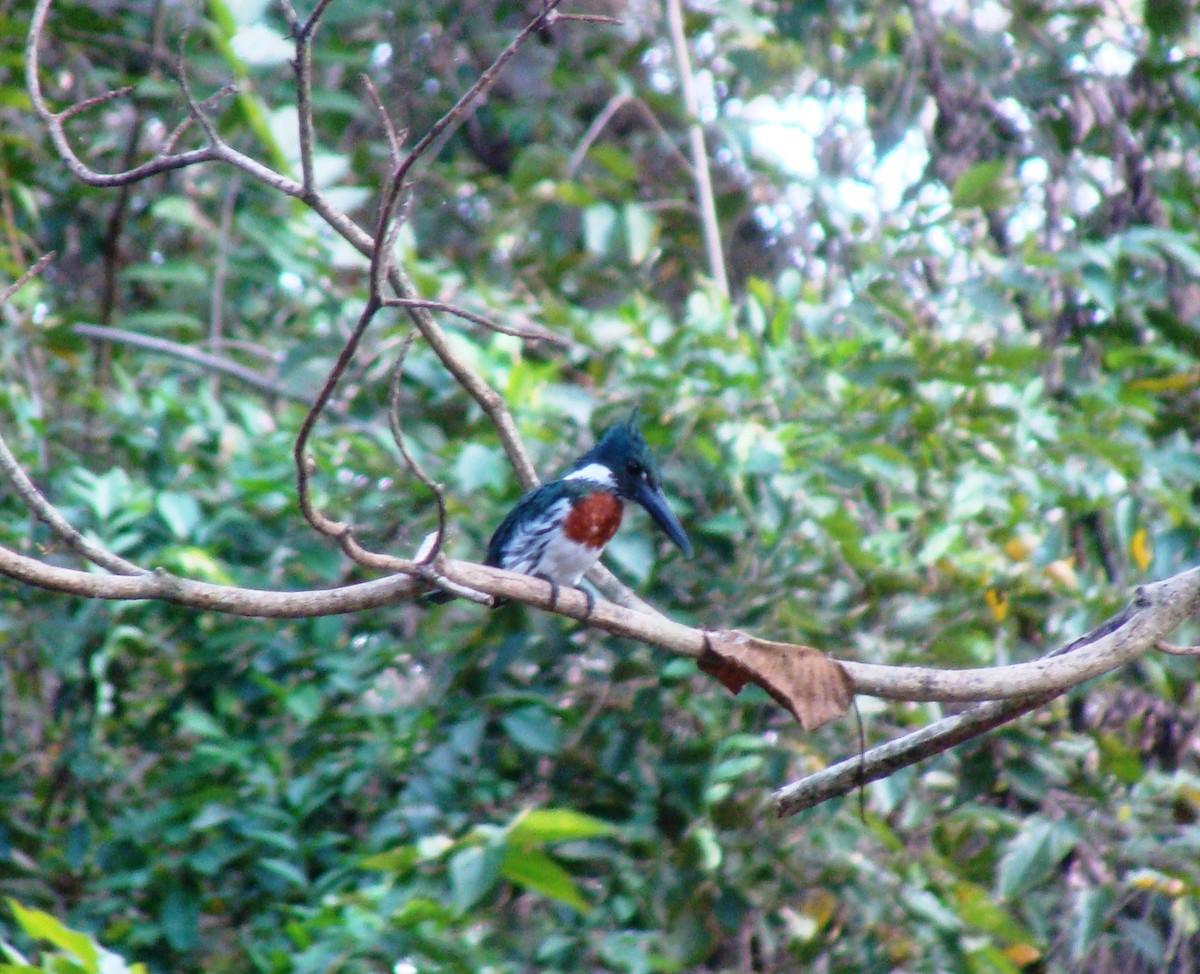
<point x="558" y="531"/>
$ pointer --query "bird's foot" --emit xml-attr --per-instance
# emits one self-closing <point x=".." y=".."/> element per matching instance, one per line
<point x="553" y="590"/>
<point x="591" y="604"/>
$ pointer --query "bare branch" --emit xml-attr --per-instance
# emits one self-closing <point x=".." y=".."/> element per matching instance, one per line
<point x="530" y="333"/>
<point x="887" y="759"/>
<point x="428" y="552"/>
<point x="82" y="106"/>
<point x="559" y="17"/>
<point x="194" y="108"/>
<point x="1156" y="610"/>
<point x="475" y="386"/>
<point x="29" y="275"/>
<point x="492" y="404"/>
<point x="46" y="512"/>
<point x="310" y="25"/>
<point x="394" y="139"/>
<point x="704" y="189"/>
<point x="180" y="130"/>
<point x="302" y="66"/>
<point x="204" y="595"/>
<point x="213" y="363"/>
<point x="444" y="125"/>
<point x="485" y="81"/>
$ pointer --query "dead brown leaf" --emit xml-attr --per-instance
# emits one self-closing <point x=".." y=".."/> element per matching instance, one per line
<point x="813" y="687"/>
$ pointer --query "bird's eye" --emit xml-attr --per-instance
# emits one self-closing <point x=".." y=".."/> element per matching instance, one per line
<point x="634" y="467"/>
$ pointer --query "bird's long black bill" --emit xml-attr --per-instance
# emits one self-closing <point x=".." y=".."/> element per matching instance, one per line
<point x="655" y="502"/>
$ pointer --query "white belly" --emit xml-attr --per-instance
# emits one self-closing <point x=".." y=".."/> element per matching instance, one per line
<point x="565" y="561"/>
<point x="542" y="550"/>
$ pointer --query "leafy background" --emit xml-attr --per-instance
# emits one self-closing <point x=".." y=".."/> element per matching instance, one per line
<point x="947" y="416"/>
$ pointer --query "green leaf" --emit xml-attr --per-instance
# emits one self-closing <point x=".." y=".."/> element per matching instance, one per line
<point x="1033" y="855"/>
<point x="179" y="916"/>
<point x="980" y="185"/>
<point x="196" y="562"/>
<point x="533" y="729"/>
<point x="536" y="871"/>
<point x="176" y="273"/>
<point x="1090" y="917"/>
<point x="162" y="321"/>
<point x="600" y="226"/>
<point x="479" y="467"/>
<point x="180" y="511"/>
<point x="543" y="825"/>
<point x="976" y="907"/>
<point x="201" y="723"/>
<point x="421" y="911"/>
<point x="42" y="926"/>
<point x="473" y="873"/>
<point x="399" y="860"/>
<point x="286" y="870"/>
<point x="641" y="231"/>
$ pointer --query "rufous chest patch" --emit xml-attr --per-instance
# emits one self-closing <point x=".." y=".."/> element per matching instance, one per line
<point x="594" y="519"/>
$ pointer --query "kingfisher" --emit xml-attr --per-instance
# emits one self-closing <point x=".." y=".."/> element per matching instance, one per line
<point x="559" y="530"/>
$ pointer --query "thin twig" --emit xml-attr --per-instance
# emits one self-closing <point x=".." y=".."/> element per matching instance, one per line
<point x="302" y="67"/>
<point x="381" y="268"/>
<point x="213" y="363"/>
<point x="533" y="334"/>
<point x="335" y="529"/>
<point x="587" y="19"/>
<point x="115" y="228"/>
<point x="25" y="278"/>
<point x="601" y="121"/>
<point x="450" y="120"/>
<point x="428" y="552"/>
<point x="194" y="108"/>
<point x="169" y="143"/>
<point x="704" y="189"/>
<point x="82" y="106"/>
<point x="216" y="306"/>
<point x="394" y="139"/>
<point x="16" y="252"/>
<point x="310" y="25"/>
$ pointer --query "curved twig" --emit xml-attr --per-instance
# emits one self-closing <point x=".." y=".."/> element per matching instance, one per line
<point x="475" y="386"/>
<point x="334" y="529"/>
<point x="430" y="550"/>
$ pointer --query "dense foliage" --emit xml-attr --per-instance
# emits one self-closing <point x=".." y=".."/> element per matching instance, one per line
<point x="947" y="415"/>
